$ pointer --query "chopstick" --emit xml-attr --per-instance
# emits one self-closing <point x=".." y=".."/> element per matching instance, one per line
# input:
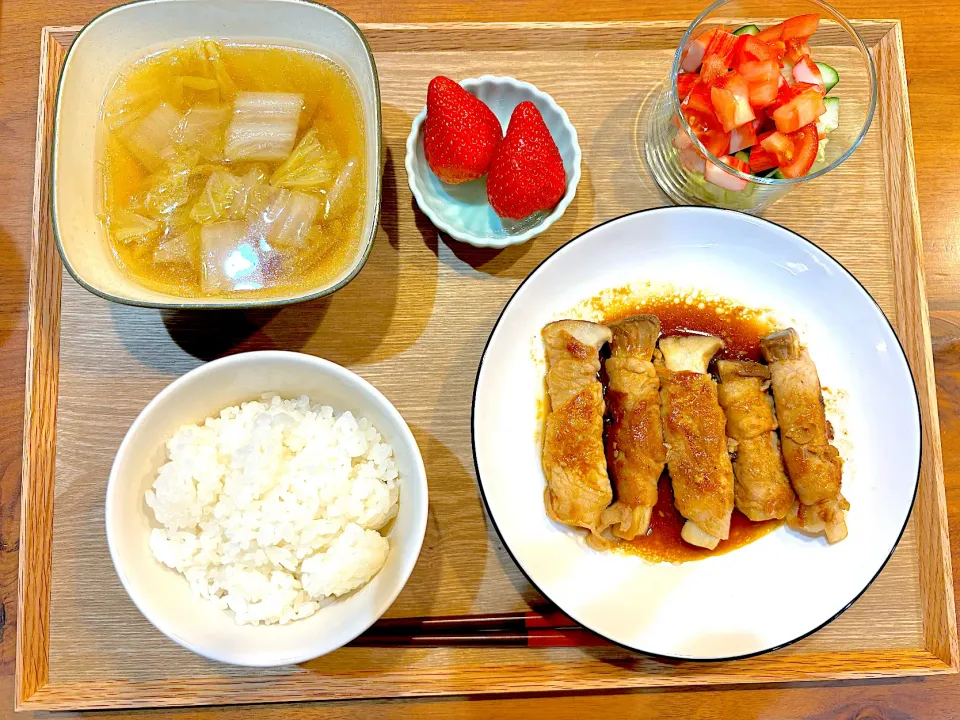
<point x="517" y="622"/>
<point x="570" y="637"/>
<point x="532" y="628"/>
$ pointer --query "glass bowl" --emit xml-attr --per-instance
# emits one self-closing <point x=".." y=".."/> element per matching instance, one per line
<point x="680" y="174"/>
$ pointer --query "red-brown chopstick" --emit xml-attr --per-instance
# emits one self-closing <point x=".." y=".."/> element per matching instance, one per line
<point x="515" y="622"/>
<point x="530" y="638"/>
<point x="549" y="628"/>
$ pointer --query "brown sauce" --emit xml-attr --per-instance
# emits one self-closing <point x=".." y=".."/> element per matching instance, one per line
<point x="663" y="543"/>
<point x="741" y="329"/>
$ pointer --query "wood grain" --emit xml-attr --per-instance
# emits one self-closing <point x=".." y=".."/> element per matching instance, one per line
<point x="39" y="443"/>
<point x="415" y="282"/>
<point x="929" y="38"/>
<point x="939" y="616"/>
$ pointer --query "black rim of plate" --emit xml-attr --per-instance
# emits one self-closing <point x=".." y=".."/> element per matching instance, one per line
<point x="493" y="520"/>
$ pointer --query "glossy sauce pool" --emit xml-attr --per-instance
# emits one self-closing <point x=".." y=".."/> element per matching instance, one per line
<point x="741" y="329"/>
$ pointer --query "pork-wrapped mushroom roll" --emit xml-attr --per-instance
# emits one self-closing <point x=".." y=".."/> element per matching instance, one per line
<point x="578" y="488"/>
<point x="634" y="440"/>
<point x="762" y="490"/>
<point x="813" y="465"/>
<point x="694" y="429"/>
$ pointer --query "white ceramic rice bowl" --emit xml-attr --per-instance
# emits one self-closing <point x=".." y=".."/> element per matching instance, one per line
<point x="165" y="597"/>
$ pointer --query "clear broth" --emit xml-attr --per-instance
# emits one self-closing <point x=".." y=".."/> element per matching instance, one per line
<point x="174" y="259"/>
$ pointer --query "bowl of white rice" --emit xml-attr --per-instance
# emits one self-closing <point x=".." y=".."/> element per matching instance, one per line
<point x="266" y="508"/>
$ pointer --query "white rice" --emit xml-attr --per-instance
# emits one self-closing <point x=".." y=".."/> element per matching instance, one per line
<point x="273" y="508"/>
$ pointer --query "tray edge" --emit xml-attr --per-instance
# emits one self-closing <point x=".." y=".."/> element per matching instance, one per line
<point x="32" y="690"/>
<point x="936" y="573"/>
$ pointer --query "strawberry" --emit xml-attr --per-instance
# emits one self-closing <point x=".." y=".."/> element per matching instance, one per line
<point x="460" y="133"/>
<point x="527" y="174"/>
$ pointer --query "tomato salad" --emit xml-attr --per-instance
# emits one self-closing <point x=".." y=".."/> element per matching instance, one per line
<point x="757" y="101"/>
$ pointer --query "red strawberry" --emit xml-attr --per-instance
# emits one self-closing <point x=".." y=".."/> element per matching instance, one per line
<point x="460" y="134"/>
<point x="527" y="174"/>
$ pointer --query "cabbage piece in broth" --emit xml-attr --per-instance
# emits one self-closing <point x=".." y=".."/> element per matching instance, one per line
<point x="232" y="168"/>
<point x="182" y="249"/>
<point x="310" y="167"/>
<point x="287" y="219"/>
<point x="218" y="193"/>
<point x="263" y="127"/>
<point x="202" y="129"/>
<point x="151" y="138"/>
<point x="172" y="187"/>
<point x="230" y="257"/>
<point x="128" y="227"/>
<point x="335" y="204"/>
<point x="250" y="184"/>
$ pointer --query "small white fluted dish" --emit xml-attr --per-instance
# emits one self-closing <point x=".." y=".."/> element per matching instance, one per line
<point x="462" y="211"/>
<point x="165" y="597"/>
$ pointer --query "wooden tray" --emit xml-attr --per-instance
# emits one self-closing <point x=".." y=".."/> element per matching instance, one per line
<point x="414" y="323"/>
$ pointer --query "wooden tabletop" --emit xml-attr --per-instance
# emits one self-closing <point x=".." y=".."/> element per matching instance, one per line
<point x="929" y="35"/>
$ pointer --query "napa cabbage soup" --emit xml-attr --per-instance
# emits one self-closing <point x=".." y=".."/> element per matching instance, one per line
<point x="232" y="169"/>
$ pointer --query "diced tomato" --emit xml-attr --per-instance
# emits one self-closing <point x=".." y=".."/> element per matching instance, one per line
<point x="762" y="94"/>
<point x="730" y="95"/>
<point x="693" y="55"/>
<point x="749" y="49"/>
<point x="763" y="78"/>
<point x="786" y="93"/>
<point x="780" y="146"/>
<point x="692" y="160"/>
<point x="807" y="71"/>
<point x="718" y="176"/>
<point x="801" y="26"/>
<point x="708" y="132"/>
<point x="759" y="70"/>
<point x="771" y="33"/>
<point x="722" y="45"/>
<point x="713" y="67"/>
<point x="761" y="160"/>
<point x="783" y="96"/>
<point x="779" y="48"/>
<point x="801" y="104"/>
<point x="685" y="83"/>
<point x="793" y="152"/>
<point x="796" y="49"/>
<point x="743" y="137"/>
<point x="716" y="141"/>
<point x="805" y="145"/>
<point x="698" y="99"/>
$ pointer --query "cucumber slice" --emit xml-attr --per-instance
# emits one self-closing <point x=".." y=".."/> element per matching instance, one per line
<point x="776" y="175"/>
<point x="830" y="76"/>
<point x="822" y="151"/>
<point x="747" y="30"/>
<point x="743" y="155"/>
<point x="830" y="120"/>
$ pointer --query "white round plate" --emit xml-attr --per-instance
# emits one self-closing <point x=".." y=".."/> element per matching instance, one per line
<point x="785" y="585"/>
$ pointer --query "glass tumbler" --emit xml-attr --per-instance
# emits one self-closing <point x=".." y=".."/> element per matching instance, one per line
<point x="678" y="160"/>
